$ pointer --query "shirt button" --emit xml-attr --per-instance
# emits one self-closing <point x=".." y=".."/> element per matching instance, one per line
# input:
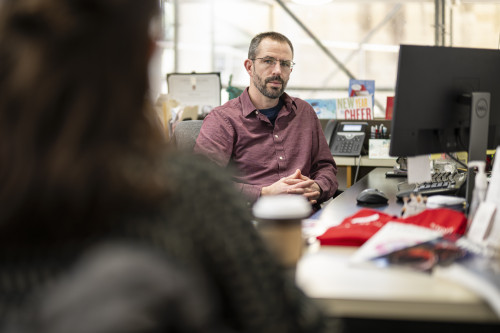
<point x="276" y="136"/>
<point x="281" y="157"/>
<point x="256" y="112"/>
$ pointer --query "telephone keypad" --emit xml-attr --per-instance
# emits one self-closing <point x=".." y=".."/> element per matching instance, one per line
<point x="348" y="144"/>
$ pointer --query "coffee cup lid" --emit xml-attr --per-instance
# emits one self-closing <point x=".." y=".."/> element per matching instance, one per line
<point x="283" y="206"/>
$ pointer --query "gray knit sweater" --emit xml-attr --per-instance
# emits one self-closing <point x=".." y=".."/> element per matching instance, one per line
<point x="205" y="230"/>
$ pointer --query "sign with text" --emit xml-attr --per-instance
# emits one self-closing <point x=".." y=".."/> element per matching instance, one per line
<point x="355" y="108"/>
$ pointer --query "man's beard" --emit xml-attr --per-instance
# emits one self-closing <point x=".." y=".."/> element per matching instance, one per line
<point x="269" y="92"/>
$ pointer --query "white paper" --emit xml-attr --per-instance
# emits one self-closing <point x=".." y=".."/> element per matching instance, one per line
<point x="378" y="148"/>
<point x="419" y="169"/>
<point x="493" y="194"/>
<point x="481" y="223"/>
<point x="478" y="273"/>
<point x="391" y="237"/>
<point x="493" y="238"/>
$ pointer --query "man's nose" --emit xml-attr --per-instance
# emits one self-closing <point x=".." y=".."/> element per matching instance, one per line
<point x="277" y="68"/>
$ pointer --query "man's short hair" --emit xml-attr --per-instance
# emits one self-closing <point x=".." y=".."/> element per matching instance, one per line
<point x="254" y="44"/>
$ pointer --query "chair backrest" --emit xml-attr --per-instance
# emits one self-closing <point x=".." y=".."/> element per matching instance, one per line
<point x="185" y="134"/>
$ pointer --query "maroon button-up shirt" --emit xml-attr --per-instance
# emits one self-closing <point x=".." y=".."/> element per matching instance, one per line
<point x="237" y="133"/>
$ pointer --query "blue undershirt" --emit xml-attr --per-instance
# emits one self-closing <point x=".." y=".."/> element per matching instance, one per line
<point x="272" y="113"/>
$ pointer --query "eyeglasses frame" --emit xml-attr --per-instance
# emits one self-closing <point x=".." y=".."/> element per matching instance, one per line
<point x="274" y="60"/>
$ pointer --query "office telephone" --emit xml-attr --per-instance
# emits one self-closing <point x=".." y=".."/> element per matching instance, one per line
<point x="345" y="138"/>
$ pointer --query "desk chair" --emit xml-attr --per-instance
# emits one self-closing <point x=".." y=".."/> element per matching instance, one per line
<point x="185" y="134"/>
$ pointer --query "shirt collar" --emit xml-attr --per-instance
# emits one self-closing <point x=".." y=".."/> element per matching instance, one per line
<point x="248" y="107"/>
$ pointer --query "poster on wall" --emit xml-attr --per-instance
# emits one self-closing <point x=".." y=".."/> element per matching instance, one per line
<point x="362" y="88"/>
<point x="324" y="108"/>
<point x="355" y="108"/>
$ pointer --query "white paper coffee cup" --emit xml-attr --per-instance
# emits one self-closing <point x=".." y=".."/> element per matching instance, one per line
<point x="279" y="222"/>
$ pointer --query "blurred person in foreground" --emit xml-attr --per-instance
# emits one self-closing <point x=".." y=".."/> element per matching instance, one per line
<point x="102" y="229"/>
<point x="274" y="140"/>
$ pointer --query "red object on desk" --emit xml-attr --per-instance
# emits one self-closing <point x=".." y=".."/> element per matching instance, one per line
<point x="358" y="228"/>
<point x="389" y="107"/>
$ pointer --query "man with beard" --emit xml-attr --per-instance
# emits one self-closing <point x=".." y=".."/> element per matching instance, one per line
<point x="274" y="141"/>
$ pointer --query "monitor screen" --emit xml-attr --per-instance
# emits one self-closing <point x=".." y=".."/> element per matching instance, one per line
<point x="431" y="113"/>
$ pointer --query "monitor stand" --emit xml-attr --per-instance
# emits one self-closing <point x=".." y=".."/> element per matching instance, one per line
<point x="478" y="136"/>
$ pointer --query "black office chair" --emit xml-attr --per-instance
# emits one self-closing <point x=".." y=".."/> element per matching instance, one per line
<point x="185" y="134"/>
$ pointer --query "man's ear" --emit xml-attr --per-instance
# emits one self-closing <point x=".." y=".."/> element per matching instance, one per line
<point x="248" y="66"/>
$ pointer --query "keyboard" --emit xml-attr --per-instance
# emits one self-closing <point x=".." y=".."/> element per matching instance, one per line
<point x="443" y="183"/>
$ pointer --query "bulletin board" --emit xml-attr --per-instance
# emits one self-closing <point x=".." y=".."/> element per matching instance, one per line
<point x="202" y="89"/>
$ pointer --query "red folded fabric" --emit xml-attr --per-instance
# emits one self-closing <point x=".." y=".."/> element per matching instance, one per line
<point x="358" y="228"/>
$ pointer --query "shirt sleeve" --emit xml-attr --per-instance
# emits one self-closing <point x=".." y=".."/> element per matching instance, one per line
<point x="215" y="139"/>
<point x="250" y="192"/>
<point x="324" y="168"/>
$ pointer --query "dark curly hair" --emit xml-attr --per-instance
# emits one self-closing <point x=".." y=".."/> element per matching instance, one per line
<point x="76" y="138"/>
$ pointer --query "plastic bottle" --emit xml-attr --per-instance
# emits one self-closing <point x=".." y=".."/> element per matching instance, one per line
<point x="480" y="187"/>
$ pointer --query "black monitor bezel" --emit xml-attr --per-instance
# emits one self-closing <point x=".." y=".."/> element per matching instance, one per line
<point x="431" y="113"/>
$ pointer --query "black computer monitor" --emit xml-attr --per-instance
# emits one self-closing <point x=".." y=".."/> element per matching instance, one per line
<point x="432" y="111"/>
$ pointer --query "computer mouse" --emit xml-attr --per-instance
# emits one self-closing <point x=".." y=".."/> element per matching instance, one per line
<point x="372" y="196"/>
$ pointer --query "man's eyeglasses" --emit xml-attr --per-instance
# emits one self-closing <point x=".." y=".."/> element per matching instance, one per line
<point x="271" y="62"/>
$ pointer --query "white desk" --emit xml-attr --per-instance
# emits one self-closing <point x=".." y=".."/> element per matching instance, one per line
<point x="346" y="291"/>
<point x="365" y="161"/>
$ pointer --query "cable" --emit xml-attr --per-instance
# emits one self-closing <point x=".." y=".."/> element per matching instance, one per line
<point x="357" y="169"/>
<point x="457" y="160"/>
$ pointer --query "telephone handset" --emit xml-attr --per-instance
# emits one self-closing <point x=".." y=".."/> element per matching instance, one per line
<point x="345" y="138"/>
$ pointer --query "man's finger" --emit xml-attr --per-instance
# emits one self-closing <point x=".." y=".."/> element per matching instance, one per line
<point x="304" y="183"/>
<point x="292" y="181"/>
<point x="295" y="175"/>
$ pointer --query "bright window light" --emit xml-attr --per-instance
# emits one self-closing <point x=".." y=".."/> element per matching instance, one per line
<point x="311" y="2"/>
